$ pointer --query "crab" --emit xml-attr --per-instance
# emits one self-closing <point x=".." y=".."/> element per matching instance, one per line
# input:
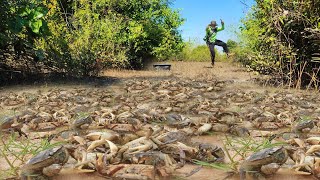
<point x="6" y="122"/>
<point x="46" y="163"/>
<point x="218" y="127"/>
<point x="178" y="149"/>
<point x="169" y="137"/>
<point x="141" y="144"/>
<point x="10" y="123"/>
<point x="13" y="100"/>
<point x="209" y="153"/>
<point x="305" y="162"/>
<point x="108" y="135"/>
<point x="259" y="161"/>
<point x="78" y="123"/>
<point x="303" y="126"/>
<point x="154" y="158"/>
<point x="176" y="120"/>
<point x="239" y="131"/>
<point x="125" y="128"/>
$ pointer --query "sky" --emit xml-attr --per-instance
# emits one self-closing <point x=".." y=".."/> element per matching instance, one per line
<point x="199" y="13"/>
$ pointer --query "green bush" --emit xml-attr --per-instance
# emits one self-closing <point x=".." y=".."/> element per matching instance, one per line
<point x="280" y="37"/>
<point x="85" y="36"/>
<point x="21" y="23"/>
<point x="197" y="53"/>
<point x="114" y="33"/>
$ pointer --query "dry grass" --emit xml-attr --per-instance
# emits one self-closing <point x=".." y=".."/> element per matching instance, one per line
<point x="222" y="70"/>
<point x="225" y="71"/>
<point x="193" y="70"/>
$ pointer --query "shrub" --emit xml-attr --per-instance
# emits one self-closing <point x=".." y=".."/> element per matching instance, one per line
<point x="87" y="34"/>
<point x="116" y="33"/>
<point x="197" y="53"/>
<point x="282" y="36"/>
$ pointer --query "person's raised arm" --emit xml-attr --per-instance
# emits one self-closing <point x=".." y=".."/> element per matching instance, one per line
<point x="222" y="26"/>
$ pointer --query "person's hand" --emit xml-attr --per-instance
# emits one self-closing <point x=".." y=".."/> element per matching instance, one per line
<point x="222" y="22"/>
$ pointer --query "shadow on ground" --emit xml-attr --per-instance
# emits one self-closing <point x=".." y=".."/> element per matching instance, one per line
<point x="17" y="78"/>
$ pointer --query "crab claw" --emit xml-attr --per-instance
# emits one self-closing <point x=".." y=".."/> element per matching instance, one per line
<point x="109" y="135"/>
<point x="312" y="149"/>
<point x="316" y="168"/>
<point x="101" y="166"/>
<point x="79" y="139"/>
<point x="141" y="148"/>
<point x="52" y="170"/>
<point x="182" y="157"/>
<point x="204" y="128"/>
<point x="313" y="140"/>
<point x="95" y="144"/>
<point x="113" y="150"/>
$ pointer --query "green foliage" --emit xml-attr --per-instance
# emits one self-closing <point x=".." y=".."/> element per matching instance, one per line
<point x="82" y="37"/>
<point x="241" y="148"/>
<point x="21" y="22"/>
<point x="88" y="35"/>
<point x="198" y="53"/>
<point x="215" y="165"/>
<point x="31" y="17"/>
<point x="232" y="44"/>
<point x="15" y="151"/>
<point x="276" y="36"/>
<point x="4" y="17"/>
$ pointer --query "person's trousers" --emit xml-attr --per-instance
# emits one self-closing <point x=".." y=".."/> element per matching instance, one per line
<point x="218" y="43"/>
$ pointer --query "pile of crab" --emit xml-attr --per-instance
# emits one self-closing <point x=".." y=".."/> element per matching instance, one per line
<point x="145" y="130"/>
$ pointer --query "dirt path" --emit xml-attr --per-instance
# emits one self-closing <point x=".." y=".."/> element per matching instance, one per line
<point x="237" y="78"/>
<point x="196" y="70"/>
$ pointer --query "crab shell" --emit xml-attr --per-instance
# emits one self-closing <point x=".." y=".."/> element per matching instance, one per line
<point x="6" y="122"/>
<point x="180" y="136"/>
<point x="209" y="152"/>
<point x="57" y="155"/>
<point x="303" y="125"/>
<point x="82" y="121"/>
<point x="266" y="156"/>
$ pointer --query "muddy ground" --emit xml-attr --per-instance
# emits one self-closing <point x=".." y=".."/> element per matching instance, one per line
<point x="235" y="78"/>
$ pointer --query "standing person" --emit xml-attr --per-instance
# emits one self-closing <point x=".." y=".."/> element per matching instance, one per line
<point x="211" y="39"/>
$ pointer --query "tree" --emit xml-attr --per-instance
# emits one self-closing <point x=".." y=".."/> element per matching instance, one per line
<point x="278" y="34"/>
<point x="72" y="36"/>
<point x="232" y="44"/>
<point x="116" y="33"/>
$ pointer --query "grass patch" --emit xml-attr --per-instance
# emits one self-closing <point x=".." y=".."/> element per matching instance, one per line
<point x="248" y="145"/>
<point x="16" y="152"/>
<point x="220" y="166"/>
<point x="198" y="53"/>
<point x="238" y="149"/>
